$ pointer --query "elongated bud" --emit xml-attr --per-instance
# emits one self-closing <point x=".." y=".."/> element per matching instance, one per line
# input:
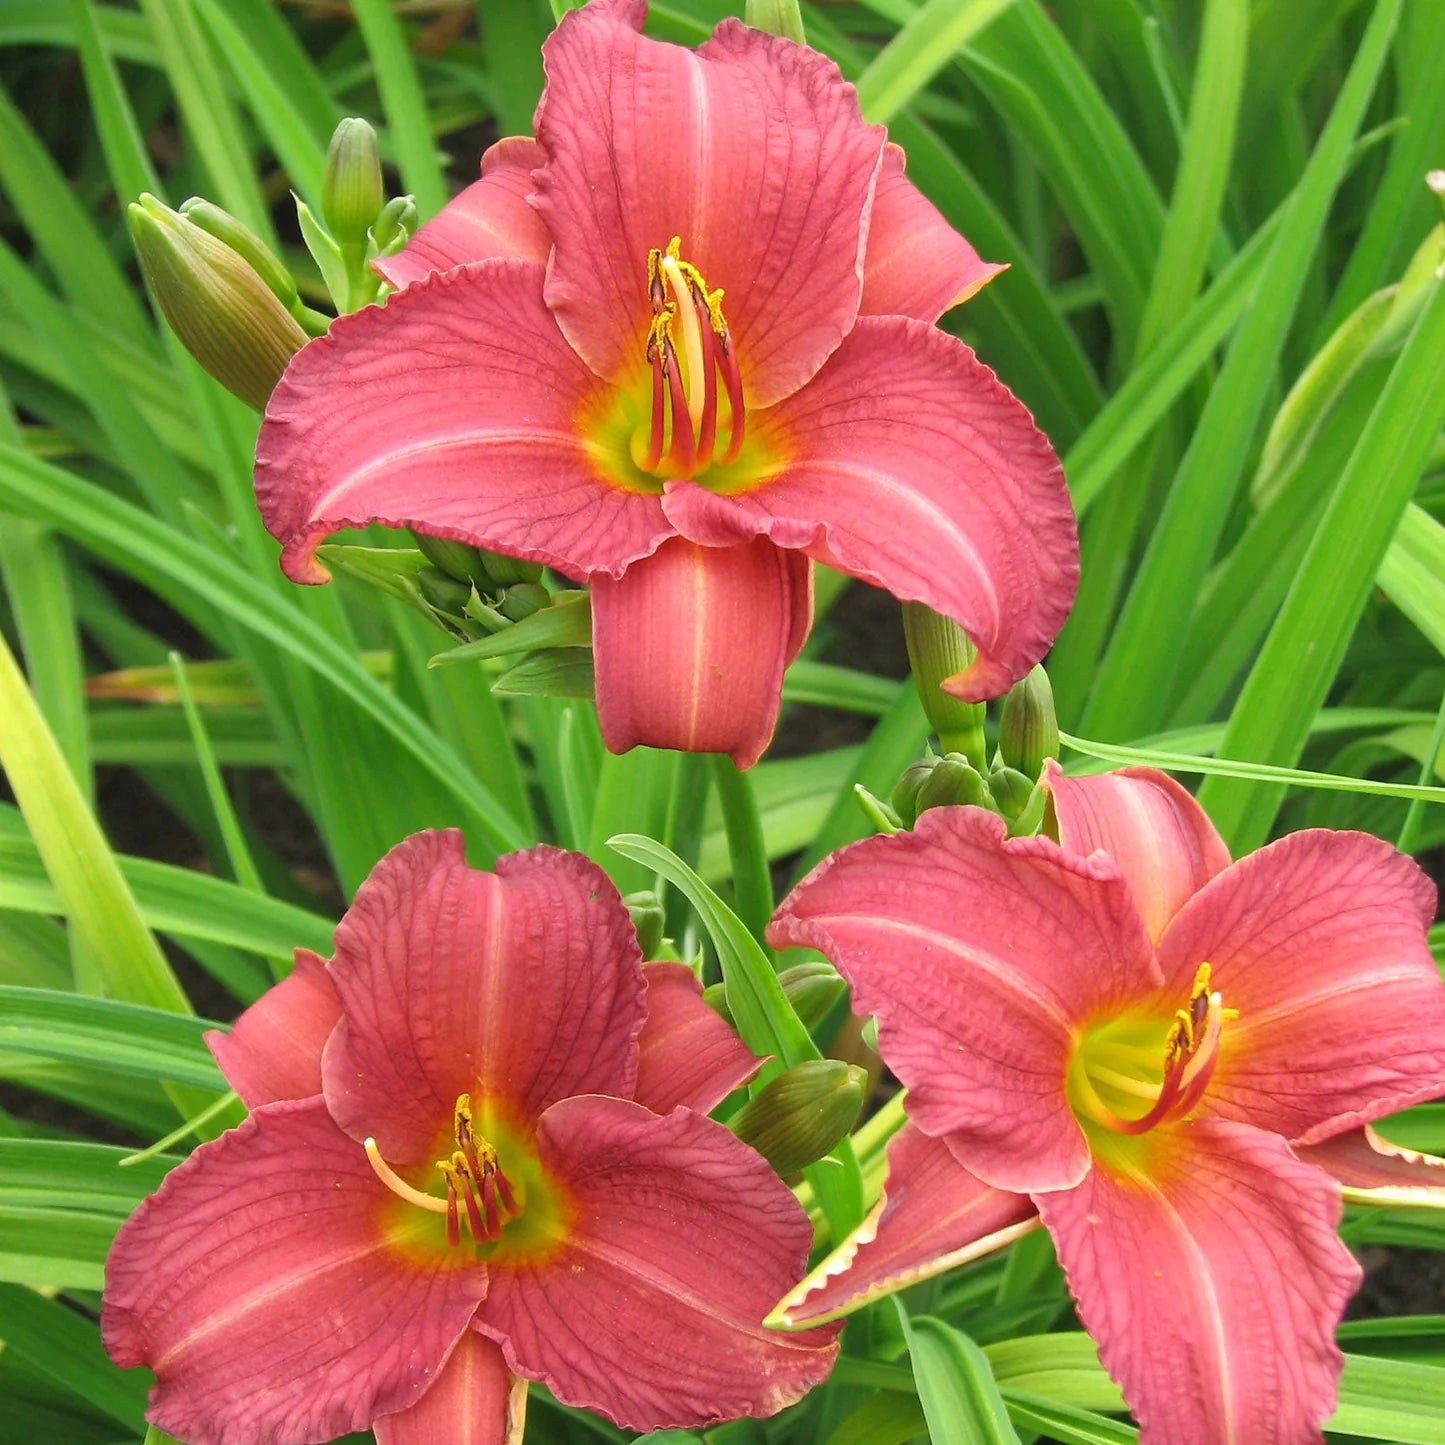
<point x="444" y="593"/>
<point x="803" y="1113"/>
<point x="647" y="918"/>
<point x="522" y="599"/>
<point x="393" y="227"/>
<point x="456" y="559"/>
<point x="777" y="17"/>
<point x="939" y="648"/>
<point x="1028" y="730"/>
<point x="811" y="988"/>
<point x="245" y="243"/>
<point x="351" y="194"/>
<point x="504" y="570"/>
<point x="222" y="311"/>
<point x="905" y="792"/>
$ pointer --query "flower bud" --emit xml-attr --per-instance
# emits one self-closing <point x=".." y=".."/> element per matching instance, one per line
<point x="905" y="792"/>
<point x="444" y="593"/>
<point x="802" y="1114"/>
<point x="394" y="226"/>
<point x="939" y="648"/>
<point x="246" y="244"/>
<point x="522" y="599"/>
<point x="647" y="919"/>
<point x="458" y="560"/>
<point x="812" y="989"/>
<point x="223" y="312"/>
<point x="504" y="570"/>
<point x="777" y="17"/>
<point x="954" y="781"/>
<point x="351" y="194"/>
<point x="1011" y="790"/>
<point x="1028" y="731"/>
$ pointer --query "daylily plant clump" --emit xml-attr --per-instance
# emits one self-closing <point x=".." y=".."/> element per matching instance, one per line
<point x="478" y="1154"/>
<point x="679" y="345"/>
<point x="1155" y="1052"/>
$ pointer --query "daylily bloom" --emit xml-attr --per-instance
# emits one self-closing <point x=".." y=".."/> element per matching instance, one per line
<point x="679" y="345"/>
<point x="1133" y="1040"/>
<point x="314" y="1272"/>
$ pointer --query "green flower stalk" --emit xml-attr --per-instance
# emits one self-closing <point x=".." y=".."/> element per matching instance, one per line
<point x="938" y="648"/>
<point x="213" y="298"/>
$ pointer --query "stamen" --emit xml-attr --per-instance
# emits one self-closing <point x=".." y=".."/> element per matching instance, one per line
<point x="681" y="455"/>
<point x="454" y="1229"/>
<point x="659" y="414"/>
<point x="733" y="380"/>
<point x="707" y="426"/>
<point x="398" y="1185"/>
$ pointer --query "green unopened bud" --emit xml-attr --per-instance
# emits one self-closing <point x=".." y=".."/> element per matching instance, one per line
<point x="444" y="593"/>
<point x="812" y="989"/>
<point x="522" y="599"/>
<point x="1028" y="730"/>
<point x="395" y="570"/>
<point x="351" y="193"/>
<point x="905" y="792"/>
<point x="246" y="244"/>
<point x="222" y="311"/>
<point x="1011" y="790"/>
<point x="803" y="1113"/>
<point x="955" y="781"/>
<point x="393" y="227"/>
<point x="777" y="17"/>
<point x="937" y="649"/>
<point x="456" y="559"/>
<point x="504" y="570"/>
<point x="647" y="918"/>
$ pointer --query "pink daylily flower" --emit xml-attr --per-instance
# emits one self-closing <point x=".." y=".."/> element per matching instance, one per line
<point x="1156" y="1053"/>
<point x="584" y="1224"/>
<point x="680" y="345"/>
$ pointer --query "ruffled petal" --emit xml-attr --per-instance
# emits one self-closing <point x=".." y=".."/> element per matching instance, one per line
<point x="1371" y="1170"/>
<point x="1211" y="1277"/>
<point x="650" y="1310"/>
<point x="1162" y="840"/>
<point x="983" y="960"/>
<point x="490" y="218"/>
<point x="275" y="1292"/>
<point x="273" y="1050"/>
<point x="458" y="410"/>
<point x="476" y="1400"/>
<point x="908" y="464"/>
<point x="1319" y="942"/>
<point x="691" y="644"/>
<point x="520" y="986"/>
<point x="916" y="264"/>
<point x="932" y="1216"/>
<point x="687" y="1053"/>
<point x="751" y="151"/>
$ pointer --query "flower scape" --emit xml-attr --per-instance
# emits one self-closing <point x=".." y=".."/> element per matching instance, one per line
<point x="675" y="352"/>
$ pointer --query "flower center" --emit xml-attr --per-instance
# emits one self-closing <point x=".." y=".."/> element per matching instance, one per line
<point x="688" y="348"/>
<point x="474" y="1179"/>
<point x="1115" y="1071"/>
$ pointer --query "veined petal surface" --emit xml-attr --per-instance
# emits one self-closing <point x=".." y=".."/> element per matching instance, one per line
<point x="475" y="1400"/>
<point x="273" y="1051"/>
<point x="916" y="264"/>
<point x="1372" y="1170"/>
<point x="1212" y="1278"/>
<point x="1162" y="840"/>
<point x="1318" y="940"/>
<point x="983" y="960"/>
<point x="932" y="1216"/>
<point x="262" y="1286"/>
<point x="455" y="409"/>
<point x="687" y="1052"/>
<point x="650" y="1310"/>
<point x="691" y="645"/>
<point x="490" y="218"/>
<point x="519" y="987"/>
<point x="751" y="151"/>
<point x="908" y="464"/>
